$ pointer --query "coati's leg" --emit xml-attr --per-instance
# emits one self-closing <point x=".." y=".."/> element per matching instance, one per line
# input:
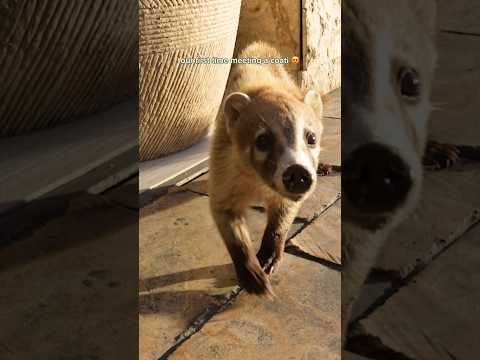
<point x="234" y="231"/>
<point x="359" y="254"/>
<point x="280" y="218"/>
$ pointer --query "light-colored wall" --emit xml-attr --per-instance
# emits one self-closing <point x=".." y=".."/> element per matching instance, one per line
<point x="273" y="21"/>
<point x="279" y="23"/>
<point x="322" y="44"/>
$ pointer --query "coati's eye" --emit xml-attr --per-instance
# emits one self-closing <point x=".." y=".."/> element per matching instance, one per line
<point x="409" y="83"/>
<point x="311" y="138"/>
<point x="264" y="142"/>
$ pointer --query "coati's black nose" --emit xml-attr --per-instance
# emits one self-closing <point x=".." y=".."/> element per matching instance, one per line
<point x="374" y="179"/>
<point x="297" y="179"/>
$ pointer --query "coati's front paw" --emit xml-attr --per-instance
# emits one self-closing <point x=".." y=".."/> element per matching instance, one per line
<point x="440" y="156"/>
<point x="253" y="279"/>
<point x="324" y="169"/>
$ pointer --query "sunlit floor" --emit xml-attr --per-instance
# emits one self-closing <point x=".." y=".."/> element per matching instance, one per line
<point x="190" y="307"/>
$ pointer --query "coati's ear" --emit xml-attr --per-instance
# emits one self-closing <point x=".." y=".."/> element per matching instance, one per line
<point x="426" y="11"/>
<point x="313" y="99"/>
<point x="233" y="106"/>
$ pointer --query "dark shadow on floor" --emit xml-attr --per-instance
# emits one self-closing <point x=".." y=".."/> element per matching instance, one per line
<point x="166" y="199"/>
<point x="58" y="218"/>
<point x="222" y="273"/>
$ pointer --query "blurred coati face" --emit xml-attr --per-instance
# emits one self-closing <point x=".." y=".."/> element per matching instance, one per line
<point x="388" y="59"/>
<point x="277" y="136"/>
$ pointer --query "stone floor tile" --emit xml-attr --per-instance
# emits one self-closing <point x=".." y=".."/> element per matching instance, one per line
<point x="429" y="229"/>
<point x="328" y="191"/>
<point x="371" y="292"/>
<point x="322" y="238"/>
<point x="455" y="92"/>
<point x="331" y="149"/>
<point x="303" y="322"/>
<point x="332" y="104"/>
<point x="331" y="142"/>
<point x="58" y="284"/>
<point x="436" y="315"/>
<point x="184" y="266"/>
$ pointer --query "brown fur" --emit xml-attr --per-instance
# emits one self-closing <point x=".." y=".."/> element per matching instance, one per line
<point x="239" y="179"/>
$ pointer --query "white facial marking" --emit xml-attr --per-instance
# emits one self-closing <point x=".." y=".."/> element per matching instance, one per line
<point x="387" y="123"/>
<point x="297" y="155"/>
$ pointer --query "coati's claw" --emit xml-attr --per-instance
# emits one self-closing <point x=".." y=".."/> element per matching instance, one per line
<point x="254" y="280"/>
<point x="324" y="169"/>
<point x="440" y="156"/>
<point x="274" y="265"/>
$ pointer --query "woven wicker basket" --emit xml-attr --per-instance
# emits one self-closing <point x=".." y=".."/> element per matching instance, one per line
<point x="62" y="59"/>
<point x="179" y="101"/>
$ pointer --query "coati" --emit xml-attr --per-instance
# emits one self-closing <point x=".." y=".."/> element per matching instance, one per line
<point x="388" y="61"/>
<point x="265" y="148"/>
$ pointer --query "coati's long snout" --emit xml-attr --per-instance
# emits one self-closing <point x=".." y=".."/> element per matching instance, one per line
<point x="376" y="182"/>
<point x="386" y="81"/>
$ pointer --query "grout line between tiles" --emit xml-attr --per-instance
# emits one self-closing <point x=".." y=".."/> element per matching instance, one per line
<point x="201" y="320"/>
<point x="397" y="285"/>
<point x="296" y="251"/>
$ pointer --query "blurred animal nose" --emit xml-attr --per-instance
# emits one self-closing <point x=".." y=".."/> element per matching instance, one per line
<point x="297" y="179"/>
<point x="374" y="179"/>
